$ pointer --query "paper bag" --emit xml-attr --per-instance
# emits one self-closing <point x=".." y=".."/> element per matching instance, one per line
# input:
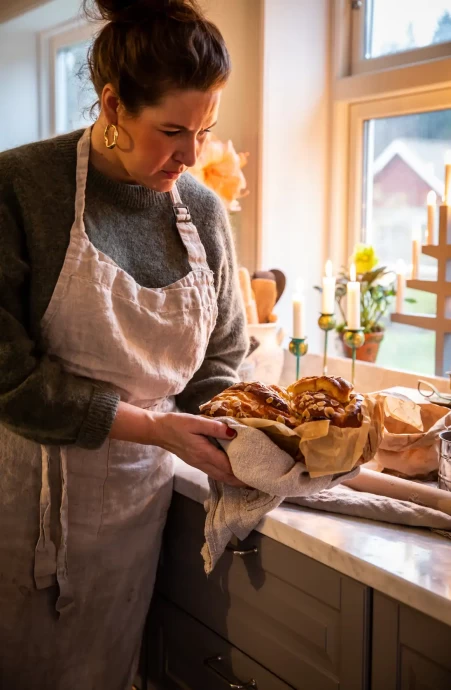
<point x="410" y="445"/>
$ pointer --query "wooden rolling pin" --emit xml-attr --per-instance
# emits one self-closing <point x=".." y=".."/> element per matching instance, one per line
<point x="401" y="489"/>
<point x="248" y="296"/>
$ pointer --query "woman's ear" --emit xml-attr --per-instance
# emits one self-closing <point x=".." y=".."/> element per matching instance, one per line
<point x="110" y="104"/>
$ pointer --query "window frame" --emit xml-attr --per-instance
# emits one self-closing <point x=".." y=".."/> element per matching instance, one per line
<point x="360" y="113"/>
<point x="49" y="43"/>
<point x="362" y="65"/>
<point x="355" y="97"/>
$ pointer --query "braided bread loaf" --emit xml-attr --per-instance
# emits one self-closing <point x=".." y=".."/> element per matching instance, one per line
<point x="326" y="397"/>
<point x="309" y="399"/>
<point x="257" y="400"/>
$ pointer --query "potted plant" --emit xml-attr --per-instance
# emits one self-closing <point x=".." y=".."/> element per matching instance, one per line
<point x="377" y="290"/>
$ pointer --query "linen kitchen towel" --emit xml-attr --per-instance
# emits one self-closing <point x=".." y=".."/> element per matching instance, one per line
<point x="270" y="474"/>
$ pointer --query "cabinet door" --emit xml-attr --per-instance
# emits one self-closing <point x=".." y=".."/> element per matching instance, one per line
<point x="185" y="655"/>
<point x="304" y="621"/>
<point x="410" y="650"/>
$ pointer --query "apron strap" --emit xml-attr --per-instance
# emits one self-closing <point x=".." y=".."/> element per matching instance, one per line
<point x="50" y="564"/>
<point x="83" y="148"/>
<point x="188" y="232"/>
<point x="66" y="598"/>
<point x="45" y="551"/>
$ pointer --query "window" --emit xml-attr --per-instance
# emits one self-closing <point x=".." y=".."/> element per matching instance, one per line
<point x="73" y="96"/>
<point x="403" y="162"/>
<point x="393" y="27"/>
<point x="387" y="33"/>
<point x="392" y="128"/>
<point x="66" y="93"/>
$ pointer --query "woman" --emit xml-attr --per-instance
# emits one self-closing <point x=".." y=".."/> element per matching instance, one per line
<point x="114" y="308"/>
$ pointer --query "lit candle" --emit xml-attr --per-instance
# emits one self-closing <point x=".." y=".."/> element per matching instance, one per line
<point x="328" y="301"/>
<point x="448" y="178"/>
<point x="432" y="201"/>
<point x="400" y="286"/>
<point x="298" y="311"/>
<point x="415" y="255"/>
<point x="353" y="301"/>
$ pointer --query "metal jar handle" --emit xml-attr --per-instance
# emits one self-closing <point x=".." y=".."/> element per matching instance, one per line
<point x="242" y="686"/>
<point x="237" y="552"/>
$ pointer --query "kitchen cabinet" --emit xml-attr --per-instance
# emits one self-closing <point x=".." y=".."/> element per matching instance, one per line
<point x="304" y="623"/>
<point x="271" y="618"/>
<point x="410" y="651"/>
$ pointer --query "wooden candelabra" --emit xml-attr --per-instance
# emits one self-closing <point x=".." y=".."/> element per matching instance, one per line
<point x="441" y="322"/>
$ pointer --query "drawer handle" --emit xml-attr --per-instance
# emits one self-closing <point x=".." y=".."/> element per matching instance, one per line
<point x="242" y="686"/>
<point x="237" y="552"/>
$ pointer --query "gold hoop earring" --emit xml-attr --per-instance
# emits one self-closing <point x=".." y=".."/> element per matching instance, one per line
<point x="115" y="136"/>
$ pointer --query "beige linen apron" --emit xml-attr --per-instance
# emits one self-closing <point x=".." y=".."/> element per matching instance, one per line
<point x="80" y="530"/>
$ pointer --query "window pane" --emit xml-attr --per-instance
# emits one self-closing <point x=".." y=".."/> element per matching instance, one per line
<point x="393" y="26"/>
<point x="408" y="349"/>
<point x="404" y="160"/>
<point x="74" y="93"/>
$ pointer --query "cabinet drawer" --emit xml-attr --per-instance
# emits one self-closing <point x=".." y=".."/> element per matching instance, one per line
<point x="192" y="657"/>
<point x="304" y="621"/>
<point x="410" y="650"/>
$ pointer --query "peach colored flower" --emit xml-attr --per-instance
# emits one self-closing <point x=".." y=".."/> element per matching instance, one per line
<point x="219" y="167"/>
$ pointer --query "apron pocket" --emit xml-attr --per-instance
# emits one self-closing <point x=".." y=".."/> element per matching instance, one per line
<point x="87" y="472"/>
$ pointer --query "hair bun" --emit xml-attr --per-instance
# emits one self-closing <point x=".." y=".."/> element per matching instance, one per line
<point x="136" y="10"/>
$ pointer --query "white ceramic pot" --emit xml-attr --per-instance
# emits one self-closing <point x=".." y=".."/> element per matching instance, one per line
<point x="268" y="358"/>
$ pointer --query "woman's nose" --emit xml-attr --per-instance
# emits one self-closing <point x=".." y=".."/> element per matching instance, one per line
<point x="188" y="154"/>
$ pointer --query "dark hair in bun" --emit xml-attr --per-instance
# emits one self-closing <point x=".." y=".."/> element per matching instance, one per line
<point x="150" y="47"/>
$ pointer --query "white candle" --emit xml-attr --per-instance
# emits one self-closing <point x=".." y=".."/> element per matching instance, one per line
<point x="448" y="178"/>
<point x="328" y="301"/>
<point x="400" y="286"/>
<point x="298" y="311"/>
<point x="415" y="255"/>
<point x="432" y="201"/>
<point x="353" y="301"/>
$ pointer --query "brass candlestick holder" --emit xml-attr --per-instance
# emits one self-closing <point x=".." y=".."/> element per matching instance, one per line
<point x="299" y="348"/>
<point x="327" y="323"/>
<point x="354" y="338"/>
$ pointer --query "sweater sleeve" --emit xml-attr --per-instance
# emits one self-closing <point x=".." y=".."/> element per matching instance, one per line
<point x="38" y="399"/>
<point x="228" y="343"/>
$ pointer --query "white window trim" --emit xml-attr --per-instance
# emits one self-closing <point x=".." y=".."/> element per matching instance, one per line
<point x="361" y="112"/>
<point x="401" y="90"/>
<point x="407" y="57"/>
<point x="49" y="42"/>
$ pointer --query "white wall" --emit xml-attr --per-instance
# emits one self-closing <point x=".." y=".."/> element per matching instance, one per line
<point x="241" y="22"/>
<point x="296" y="148"/>
<point x="19" y="82"/>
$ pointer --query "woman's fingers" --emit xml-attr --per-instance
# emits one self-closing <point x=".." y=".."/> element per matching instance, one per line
<point x="210" y="427"/>
<point x="186" y="436"/>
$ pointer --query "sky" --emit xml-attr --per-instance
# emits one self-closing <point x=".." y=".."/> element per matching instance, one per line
<point x="392" y="18"/>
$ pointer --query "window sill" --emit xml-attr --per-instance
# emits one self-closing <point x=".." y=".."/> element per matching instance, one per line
<point x="369" y="377"/>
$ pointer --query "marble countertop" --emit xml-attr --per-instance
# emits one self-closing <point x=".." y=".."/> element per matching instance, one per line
<point x="411" y="565"/>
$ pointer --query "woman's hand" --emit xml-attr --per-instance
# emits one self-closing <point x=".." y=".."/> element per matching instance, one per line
<point x="184" y="435"/>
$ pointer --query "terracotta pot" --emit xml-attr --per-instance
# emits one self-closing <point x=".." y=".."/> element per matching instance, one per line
<point x="369" y="350"/>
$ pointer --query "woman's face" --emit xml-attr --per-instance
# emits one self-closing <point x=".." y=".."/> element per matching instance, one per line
<point x="155" y="147"/>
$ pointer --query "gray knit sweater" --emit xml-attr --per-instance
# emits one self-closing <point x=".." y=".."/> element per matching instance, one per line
<point x="136" y="228"/>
